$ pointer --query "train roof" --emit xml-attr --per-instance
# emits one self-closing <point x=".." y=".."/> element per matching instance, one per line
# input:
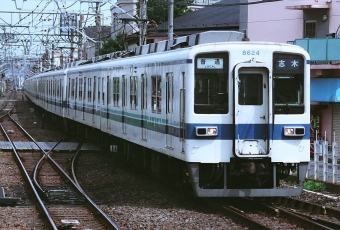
<point x="162" y="47"/>
<point x="167" y="45"/>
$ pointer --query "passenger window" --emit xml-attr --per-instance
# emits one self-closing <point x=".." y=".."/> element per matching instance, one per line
<point x="115" y="91"/>
<point x="133" y="93"/>
<point x="156" y="98"/>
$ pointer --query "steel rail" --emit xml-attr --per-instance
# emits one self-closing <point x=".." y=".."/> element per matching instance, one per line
<point x="109" y="223"/>
<point x="36" y="168"/>
<point x="41" y="205"/>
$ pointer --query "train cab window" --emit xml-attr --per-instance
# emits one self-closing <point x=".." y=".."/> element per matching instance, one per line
<point x="133" y="93"/>
<point x="211" y="83"/>
<point x="288" y="83"/>
<point x="156" y="94"/>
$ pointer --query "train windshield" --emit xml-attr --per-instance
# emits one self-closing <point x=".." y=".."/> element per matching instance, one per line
<point x="211" y="84"/>
<point x="288" y="83"/>
<point x="288" y="94"/>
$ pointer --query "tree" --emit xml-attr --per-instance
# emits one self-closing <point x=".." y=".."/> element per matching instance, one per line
<point x="157" y="10"/>
<point x="111" y="45"/>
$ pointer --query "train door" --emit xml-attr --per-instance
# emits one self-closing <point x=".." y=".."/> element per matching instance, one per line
<point x="144" y="99"/>
<point x="169" y="110"/>
<point x="251" y="93"/>
<point x="124" y="102"/>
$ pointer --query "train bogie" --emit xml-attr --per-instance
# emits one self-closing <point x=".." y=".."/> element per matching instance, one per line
<point x="235" y="113"/>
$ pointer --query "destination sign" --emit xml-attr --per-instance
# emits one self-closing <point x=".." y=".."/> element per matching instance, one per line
<point x="287" y="63"/>
<point x="210" y="63"/>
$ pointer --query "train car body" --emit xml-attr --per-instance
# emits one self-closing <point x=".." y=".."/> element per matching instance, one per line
<point x="235" y="113"/>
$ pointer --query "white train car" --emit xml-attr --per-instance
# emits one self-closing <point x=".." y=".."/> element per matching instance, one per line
<point x="234" y="115"/>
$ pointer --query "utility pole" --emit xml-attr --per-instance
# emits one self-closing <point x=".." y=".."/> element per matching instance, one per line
<point x="98" y="25"/>
<point x="143" y="23"/>
<point x="80" y="40"/>
<point x="171" y="20"/>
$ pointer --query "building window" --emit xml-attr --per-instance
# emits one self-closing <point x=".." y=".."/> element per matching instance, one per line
<point x="310" y="29"/>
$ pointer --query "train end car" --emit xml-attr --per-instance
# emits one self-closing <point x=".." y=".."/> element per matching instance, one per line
<point x="248" y="121"/>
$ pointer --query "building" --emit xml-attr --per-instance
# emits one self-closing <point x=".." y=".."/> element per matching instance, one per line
<point x="90" y="48"/>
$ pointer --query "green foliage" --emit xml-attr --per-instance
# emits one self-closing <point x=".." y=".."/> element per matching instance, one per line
<point x="315" y="186"/>
<point x="111" y="45"/>
<point x="157" y="10"/>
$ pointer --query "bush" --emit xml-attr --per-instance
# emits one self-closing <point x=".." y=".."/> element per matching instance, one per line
<point x="315" y="186"/>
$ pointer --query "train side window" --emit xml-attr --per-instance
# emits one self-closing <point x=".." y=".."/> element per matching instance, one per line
<point x="49" y="88"/>
<point x="133" y="93"/>
<point x="156" y="95"/>
<point x="108" y="89"/>
<point x="115" y="91"/>
<point x="89" y="92"/>
<point x="94" y="89"/>
<point x="80" y="89"/>
<point x="76" y="89"/>
<point x="103" y="91"/>
<point x="85" y="89"/>
<point x="53" y="93"/>
<point x="169" y="93"/>
<point x="144" y="92"/>
<point x="98" y="96"/>
<point x="58" y="88"/>
<point x="72" y="89"/>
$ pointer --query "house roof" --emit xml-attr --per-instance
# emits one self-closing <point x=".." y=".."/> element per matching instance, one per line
<point x="91" y="31"/>
<point x="219" y="16"/>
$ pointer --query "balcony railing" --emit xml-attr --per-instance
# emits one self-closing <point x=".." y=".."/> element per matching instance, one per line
<point x="321" y="49"/>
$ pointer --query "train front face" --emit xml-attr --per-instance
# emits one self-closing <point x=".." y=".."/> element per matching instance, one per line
<point x="249" y="123"/>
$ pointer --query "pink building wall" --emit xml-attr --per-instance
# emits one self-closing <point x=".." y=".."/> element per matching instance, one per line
<point x="271" y="21"/>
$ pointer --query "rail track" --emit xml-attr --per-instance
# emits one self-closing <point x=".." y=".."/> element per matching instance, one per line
<point x="47" y="197"/>
<point x="278" y="213"/>
<point x="58" y="191"/>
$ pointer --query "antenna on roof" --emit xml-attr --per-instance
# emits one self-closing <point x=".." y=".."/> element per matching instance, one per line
<point x="245" y="38"/>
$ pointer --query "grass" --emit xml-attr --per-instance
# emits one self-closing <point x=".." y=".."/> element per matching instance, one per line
<point x="314" y="186"/>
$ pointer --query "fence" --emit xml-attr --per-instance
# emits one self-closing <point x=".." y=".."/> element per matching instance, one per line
<point x="325" y="165"/>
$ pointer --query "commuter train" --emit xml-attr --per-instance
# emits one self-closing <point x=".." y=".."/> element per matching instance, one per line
<point x="229" y="114"/>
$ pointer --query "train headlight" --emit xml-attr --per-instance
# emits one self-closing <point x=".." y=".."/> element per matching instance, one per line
<point x="206" y="131"/>
<point x="293" y="131"/>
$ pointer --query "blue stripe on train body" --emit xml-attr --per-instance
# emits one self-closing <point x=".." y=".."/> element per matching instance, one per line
<point x="253" y="131"/>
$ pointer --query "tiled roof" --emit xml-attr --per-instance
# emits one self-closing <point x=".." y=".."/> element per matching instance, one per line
<point x="91" y="31"/>
<point x="221" y="15"/>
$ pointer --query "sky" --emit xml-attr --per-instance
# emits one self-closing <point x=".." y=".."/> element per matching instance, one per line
<point x="30" y="28"/>
<point x="17" y="21"/>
